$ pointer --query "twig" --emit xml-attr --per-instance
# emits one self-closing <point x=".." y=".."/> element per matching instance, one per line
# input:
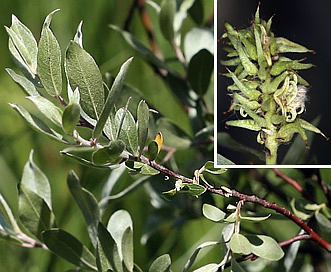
<point x="294" y="183"/>
<point x="282" y="244"/>
<point x="273" y="206"/>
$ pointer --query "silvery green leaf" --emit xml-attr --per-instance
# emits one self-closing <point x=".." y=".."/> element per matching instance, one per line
<point x="161" y="264"/>
<point x="48" y="109"/>
<point x="83" y="72"/>
<point x="117" y="225"/>
<point x="79" y="35"/>
<point x="38" y="124"/>
<point x="34" y="179"/>
<point x="26" y="84"/>
<point x="265" y="247"/>
<point x="196" y="252"/>
<point x="23" y="46"/>
<point x="240" y="244"/>
<point x="213" y="213"/>
<point x="49" y="59"/>
<point x="128" y="131"/>
<point x="142" y="124"/>
<point x="111" y="99"/>
<point x="197" y="39"/>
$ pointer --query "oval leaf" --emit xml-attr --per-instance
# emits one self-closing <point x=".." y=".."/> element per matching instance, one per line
<point x="213" y="213"/>
<point x="70" y="117"/>
<point x="83" y="72"/>
<point x="117" y="225"/>
<point x="49" y="59"/>
<point x="200" y="70"/>
<point x="69" y="248"/>
<point x="240" y="244"/>
<point x="196" y="40"/>
<point x="265" y="247"/>
<point x="152" y="150"/>
<point x="161" y="264"/>
<point x="109" y="154"/>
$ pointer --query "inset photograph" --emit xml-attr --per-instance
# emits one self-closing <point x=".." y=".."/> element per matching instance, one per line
<point x="273" y="88"/>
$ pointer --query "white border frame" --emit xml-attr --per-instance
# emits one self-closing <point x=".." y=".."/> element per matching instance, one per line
<point x="215" y="115"/>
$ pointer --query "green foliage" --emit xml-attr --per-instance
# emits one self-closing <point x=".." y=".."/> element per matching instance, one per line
<point x="126" y="139"/>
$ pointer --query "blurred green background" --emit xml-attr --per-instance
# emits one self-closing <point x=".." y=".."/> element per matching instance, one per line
<point x="17" y="139"/>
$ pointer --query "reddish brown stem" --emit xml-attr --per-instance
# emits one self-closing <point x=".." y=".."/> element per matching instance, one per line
<point x="224" y="191"/>
<point x="273" y="206"/>
<point x="293" y="182"/>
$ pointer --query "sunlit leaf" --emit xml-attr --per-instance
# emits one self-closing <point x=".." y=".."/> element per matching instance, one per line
<point x="254" y="218"/>
<point x="210" y="168"/>
<point x="223" y="161"/>
<point x="240" y="244"/>
<point x="23" y="47"/>
<point x="192" y="189"/>
<point x="213" y="213"/>
<point x="112" y="97"/>
<point x="27" y="85"/>
<point x="196" y="252"/>
<point x="38" y="124"/>
<point x="161" y="264"/>
<point x="212" y="267"/>
<point x="48" y="109"/>
<point x="265" y="247"/>
<point x="34" y="179"/>
<point x="87" y="204"/>
<point x="117" y="225"/>
<point x="49" y="59"/>
<point x="169" y="195"/>
<point x="148" y="170"/>
<point x="69" y="248"/>
<point x="83" y="72"/>
<point x="197" y="39"/>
